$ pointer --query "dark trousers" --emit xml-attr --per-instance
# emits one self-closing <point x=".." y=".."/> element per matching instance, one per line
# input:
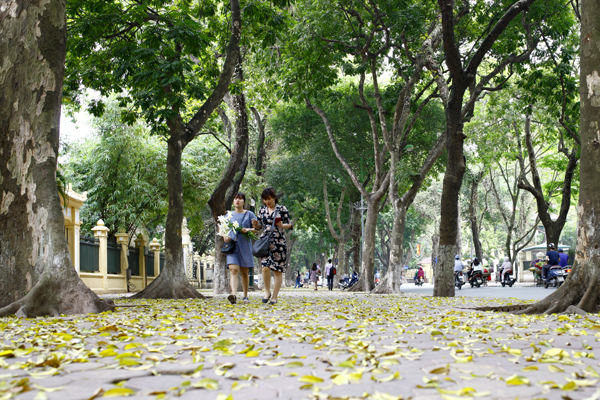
<point x="330" y="282"/>
<point x="545" y="270"/>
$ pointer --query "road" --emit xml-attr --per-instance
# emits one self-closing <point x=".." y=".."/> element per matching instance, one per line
<point x="519" y="292"/>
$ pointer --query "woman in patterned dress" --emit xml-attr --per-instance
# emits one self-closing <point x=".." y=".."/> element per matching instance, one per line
<point x="276" y="258"/>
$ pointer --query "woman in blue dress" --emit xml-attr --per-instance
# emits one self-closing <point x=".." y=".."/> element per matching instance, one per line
<point x="241" y="260"/>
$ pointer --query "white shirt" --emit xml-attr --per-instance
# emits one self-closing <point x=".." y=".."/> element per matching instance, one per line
<point x="458" y="265"/>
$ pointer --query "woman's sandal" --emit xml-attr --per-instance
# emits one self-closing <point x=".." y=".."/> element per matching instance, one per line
<point x="267" y="299"/>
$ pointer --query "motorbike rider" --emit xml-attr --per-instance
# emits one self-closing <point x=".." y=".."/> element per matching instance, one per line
<point x="552" y="258"/>
<point x="563" y="259"/>
<point x="420" y="274"/>
<point x="458" y="265"/>
<point x="476" y="267"/>
<point x="505" y="269"/>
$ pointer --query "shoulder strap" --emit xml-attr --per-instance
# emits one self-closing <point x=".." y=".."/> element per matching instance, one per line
<point x="273" y="223"/>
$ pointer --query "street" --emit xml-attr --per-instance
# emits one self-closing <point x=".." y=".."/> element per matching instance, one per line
<point x="519" y="292"/>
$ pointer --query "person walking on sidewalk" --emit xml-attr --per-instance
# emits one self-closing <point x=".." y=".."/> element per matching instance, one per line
<point x="240" y="261"/>
<point x="314" y="274"/>
<point x="329" y="273"/>
<point x="276" y="258"/>
<point x="297" y="280"/>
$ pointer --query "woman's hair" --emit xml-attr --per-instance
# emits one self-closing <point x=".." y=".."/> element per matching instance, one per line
<point x="314" y="267"/>
<point x="475" y="261"/>
<point x="241" y="196"/>
<point x="269" y="192"/>
<point x="329" y="261"/>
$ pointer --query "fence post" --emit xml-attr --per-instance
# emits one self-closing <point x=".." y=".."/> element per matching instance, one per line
<point x="123" y="240"/>
<point x="101" y="233"/>
<point x="155" y="248"/>
<point x="140" y="243"/>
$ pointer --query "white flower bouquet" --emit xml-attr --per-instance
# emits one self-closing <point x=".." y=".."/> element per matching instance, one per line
<point x="226" y="226"/>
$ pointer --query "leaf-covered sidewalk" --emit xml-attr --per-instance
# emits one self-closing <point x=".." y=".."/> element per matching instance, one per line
<point x="310" y="345"/>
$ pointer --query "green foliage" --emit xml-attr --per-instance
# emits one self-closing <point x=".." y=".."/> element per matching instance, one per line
<point x="122" y="169"/>
<point x="157" y="56"/>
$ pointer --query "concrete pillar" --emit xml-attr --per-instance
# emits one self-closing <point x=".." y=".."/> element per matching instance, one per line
<point x="197" y="258"/>
<point x="140" y="243"/>
<point x="101" y="233"/>
<point x="123" y="240"/>
<point x="155" y="248"/>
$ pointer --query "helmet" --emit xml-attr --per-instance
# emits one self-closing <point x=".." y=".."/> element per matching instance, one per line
<point x="457" y="257"/>
<point x="551" y="246"/>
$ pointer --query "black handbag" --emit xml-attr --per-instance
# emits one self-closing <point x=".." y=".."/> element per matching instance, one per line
<point x="260" y="248"/>
<point x="229" y="247"/>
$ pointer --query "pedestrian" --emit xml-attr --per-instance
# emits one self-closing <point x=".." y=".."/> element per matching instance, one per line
<point x="297" y="280"/>
<point x="314" y="274"/>
<point x="563" y="259"/>
<point x="240" y="261"/>
<point x="329" y="273"/>
<point x="276" y="259"/>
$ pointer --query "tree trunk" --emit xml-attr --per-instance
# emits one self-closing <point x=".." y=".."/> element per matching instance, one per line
<point x="222" y="197"/>
<point x="474" y="201"/>
<point x="582" y="288"/>
<point x="172" y="282"/>
<point x="449" y="218"/>
<point x="260" y="143"/>
<point x="393" y="278"/>
<point x="38" y="277"/>
<point x="366" y="280"/>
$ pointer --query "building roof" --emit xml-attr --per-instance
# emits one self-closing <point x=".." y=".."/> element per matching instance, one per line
<point x="426" y="260"/>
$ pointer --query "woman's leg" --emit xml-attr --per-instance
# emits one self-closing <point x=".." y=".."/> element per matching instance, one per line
<point x="278" y="279"/>
<point x="234" y="271"/>
<point x="245" y="272"/>
<point x="266" y="275"/>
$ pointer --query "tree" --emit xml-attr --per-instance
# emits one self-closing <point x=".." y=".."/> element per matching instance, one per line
<point x="37" y="273"/>
<point x="464" y="75"/>
<point x="516" y="217"/>
<point x="582" y="288"/>
<point x="152" y="56"/>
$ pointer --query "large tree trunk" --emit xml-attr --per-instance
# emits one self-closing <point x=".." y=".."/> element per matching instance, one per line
<point x="172" y="282"/>
<point x="366" y="280"/>
<point x="222" y="197"/>
<point x="474" y="201"/>
<point x="38" y="277"/>
<point x="582" y="288"/>
<point x="449" y="219"/>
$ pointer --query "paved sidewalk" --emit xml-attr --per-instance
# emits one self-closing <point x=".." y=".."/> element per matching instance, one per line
<point x="311" y="345"/>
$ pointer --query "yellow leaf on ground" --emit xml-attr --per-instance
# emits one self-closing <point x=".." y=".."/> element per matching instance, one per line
<point x="118" y="392"/>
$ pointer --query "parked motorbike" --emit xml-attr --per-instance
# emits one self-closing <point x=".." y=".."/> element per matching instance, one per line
<point x="476" y="278"/>
<point x="347" y="282"/>
<point x="555" y="277"/>
<point x="458" y="279"/>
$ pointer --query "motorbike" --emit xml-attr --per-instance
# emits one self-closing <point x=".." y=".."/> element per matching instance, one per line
<point x="419" y="281"/>
<point x="555" y="277"/>
<point x="476" y="278"/>
<point x="458" y="279"/>
<point x="347" y="282"/>
<point x="508" y="279"/>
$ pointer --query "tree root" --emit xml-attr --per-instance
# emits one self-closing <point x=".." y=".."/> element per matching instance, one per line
<point x="385" y="287"/>
<point x="574" y="310"/>
<point x="53" y="297"/>
<point x="165" y="288"/>
<point x="359" y="286"/>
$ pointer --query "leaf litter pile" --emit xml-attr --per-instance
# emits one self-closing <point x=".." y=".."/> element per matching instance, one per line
<point x="308" y="346"/>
